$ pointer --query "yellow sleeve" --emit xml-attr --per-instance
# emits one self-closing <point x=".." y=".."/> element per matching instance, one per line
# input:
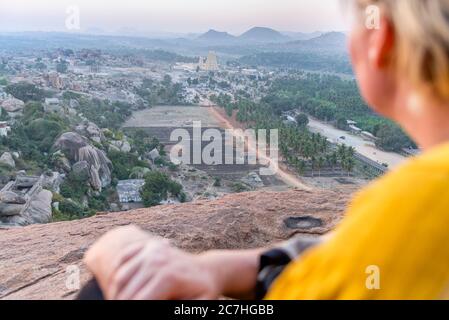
<point x="393" y="244"/>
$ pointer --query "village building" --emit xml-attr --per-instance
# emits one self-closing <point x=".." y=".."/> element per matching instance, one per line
<point x="129" y="190"/>
<point x="52" y="105"/>
<point x="354" y="129"/>
<point x="369" y="136"/>
<point x="4" y="129"/>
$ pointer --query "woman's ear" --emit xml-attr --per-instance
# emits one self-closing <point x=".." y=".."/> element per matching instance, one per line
<point x="381" y="44"/>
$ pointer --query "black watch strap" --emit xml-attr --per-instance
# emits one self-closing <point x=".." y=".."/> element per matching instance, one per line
<point x="273" y="262"/>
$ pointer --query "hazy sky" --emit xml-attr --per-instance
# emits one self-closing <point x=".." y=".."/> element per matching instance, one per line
<point x="184" y="16"/>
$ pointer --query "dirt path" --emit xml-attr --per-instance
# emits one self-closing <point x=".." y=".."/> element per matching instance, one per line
<point x="282" y="173"/>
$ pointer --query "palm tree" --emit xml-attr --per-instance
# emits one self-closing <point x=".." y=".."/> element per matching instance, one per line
<point x="341" y="152"/>
<point x="334" y="160"/>
<point x="313" y="162"/>
<point x="320" y="164"/>
<point x="350" y="163"/>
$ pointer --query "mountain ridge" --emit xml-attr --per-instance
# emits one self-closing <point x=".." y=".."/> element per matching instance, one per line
<point x="214" y="35"/>
<point x="263" y="34"/>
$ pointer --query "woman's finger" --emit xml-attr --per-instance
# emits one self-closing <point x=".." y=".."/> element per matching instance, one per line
<point x="141" y="269"/>
<point x="126" y="274"/>
<point x="159" y="288"/>
<point x="125" y="256"/>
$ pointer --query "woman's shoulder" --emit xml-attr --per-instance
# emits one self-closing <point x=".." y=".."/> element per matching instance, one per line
<point x="421" y="178"/>
<point x="436" y="158"/>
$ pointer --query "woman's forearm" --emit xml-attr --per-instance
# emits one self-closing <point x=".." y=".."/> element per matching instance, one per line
<point x="234" y="271"/>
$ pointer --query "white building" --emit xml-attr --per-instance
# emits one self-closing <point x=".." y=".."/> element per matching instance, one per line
<point x="129" y="190"/>
<point x="368" y="136"/>
<point x="4" y="129"/>
<point x="52" y="105"/>
<point x="355" y="129"/>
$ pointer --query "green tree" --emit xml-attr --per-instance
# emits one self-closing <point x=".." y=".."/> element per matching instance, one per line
<point x="75" y="187"/>
<point x="341" y="124"/>
<point x="392" y="138"/>
<point x="123" y="163"/>
<point x="43" y="132"/>
<point x="26" y="92"/>
<point x="302" y="120"/>
<point x="70" y="210"/>
<point x="158" y="186"/>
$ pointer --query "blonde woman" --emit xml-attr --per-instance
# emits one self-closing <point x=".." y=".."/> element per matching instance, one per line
<point x="394" y="242"/>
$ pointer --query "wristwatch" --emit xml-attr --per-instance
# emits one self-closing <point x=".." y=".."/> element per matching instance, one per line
<point x="274" y="261"/>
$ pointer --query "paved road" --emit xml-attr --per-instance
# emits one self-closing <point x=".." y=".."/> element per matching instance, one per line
<point x="366" y="148"/>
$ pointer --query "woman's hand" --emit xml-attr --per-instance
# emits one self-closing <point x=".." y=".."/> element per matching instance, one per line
<point x="154" y="270"/>
<point x="99" y="258"/>
<point x="158" y="271"/>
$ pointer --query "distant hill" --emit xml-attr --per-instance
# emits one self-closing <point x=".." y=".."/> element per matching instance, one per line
<point x="302" y="35"/>
<point x="260" y="34"/>
<point x="331" y="41"/>
<point x="216" y="36"/>
<point x="326" y="53"/>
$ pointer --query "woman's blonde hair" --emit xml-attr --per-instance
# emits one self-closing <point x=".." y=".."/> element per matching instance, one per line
<point x="422" y="40"/>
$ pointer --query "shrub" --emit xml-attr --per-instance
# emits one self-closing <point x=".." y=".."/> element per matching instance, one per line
<point x="74" y="187"/>
<point x="239" y="187"/>
<point x="71" y="209"/>
<point x="217" y="182"/>
<point x="157" y="188"/>
<point x="302" y="120"/>
<point x="43" y="132"/>
<point x="26" y="92"/>
<point x="123" y="164"/>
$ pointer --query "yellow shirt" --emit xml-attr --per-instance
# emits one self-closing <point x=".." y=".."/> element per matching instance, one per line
<point x="393" y="243"/>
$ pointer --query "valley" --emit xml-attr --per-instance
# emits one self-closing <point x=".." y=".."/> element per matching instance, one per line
<point x="97" y="123"/>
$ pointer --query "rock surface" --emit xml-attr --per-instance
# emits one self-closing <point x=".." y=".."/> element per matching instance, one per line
<point x="77" y="149"/>
<point x="90" y="130"/>
<point x="154" y="155"/>
<point x="81" y="170"/>
<point x="26" y="200"/>
<point x="119" y="145"/>
<point x="13" y="105"/>
<point x="26" y="181"/>
<point x="38" y="256"/>
<point x="8" y="160"/>
<point x="37" y="210"/>
<point x="52" y="181"/>
<point x="11" y="198"/>
<point x="61" y="162"/>
<point x="10" y="209"/>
